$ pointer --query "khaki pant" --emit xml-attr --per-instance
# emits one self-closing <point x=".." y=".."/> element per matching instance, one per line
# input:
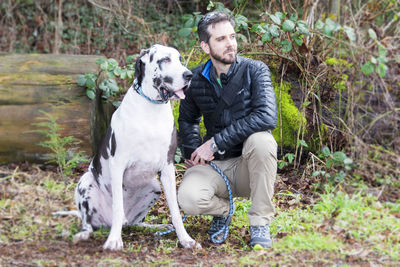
<point x="204" y="192"/>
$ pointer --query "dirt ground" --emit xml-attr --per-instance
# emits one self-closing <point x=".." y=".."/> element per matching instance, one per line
<point x="30" y="236"/>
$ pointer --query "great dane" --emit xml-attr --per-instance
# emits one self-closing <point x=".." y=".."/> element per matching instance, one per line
<point x="121" y="184"/>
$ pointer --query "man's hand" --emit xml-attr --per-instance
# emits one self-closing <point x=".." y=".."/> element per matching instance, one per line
<point x="201" y="155"/>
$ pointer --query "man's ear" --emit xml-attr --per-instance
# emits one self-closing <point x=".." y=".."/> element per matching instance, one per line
<point x="205" y="47"/>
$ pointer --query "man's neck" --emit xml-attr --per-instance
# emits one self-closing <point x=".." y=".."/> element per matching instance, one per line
<point x="220" y="67"/>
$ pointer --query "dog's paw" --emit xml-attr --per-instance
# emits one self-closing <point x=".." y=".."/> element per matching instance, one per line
<point x="81" y="236"/>
<point x="113" y="244"/>
<point x="190" y="243"/>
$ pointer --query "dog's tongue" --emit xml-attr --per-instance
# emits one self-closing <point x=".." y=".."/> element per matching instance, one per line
<point x="180" y="94"/>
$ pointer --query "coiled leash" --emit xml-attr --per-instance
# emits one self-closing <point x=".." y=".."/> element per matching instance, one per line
<point x="225" y="228"/>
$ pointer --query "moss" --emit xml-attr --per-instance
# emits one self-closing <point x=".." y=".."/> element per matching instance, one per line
<point x="290" y="120"/>
<point x="332" y="61"/>
<point x="33" y="78"/>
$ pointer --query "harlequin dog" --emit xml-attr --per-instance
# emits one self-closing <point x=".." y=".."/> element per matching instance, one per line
<point x="120" y="186"/>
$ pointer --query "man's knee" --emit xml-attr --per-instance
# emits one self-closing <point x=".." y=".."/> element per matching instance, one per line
<point x="260" y="144"/>
<point x="192" y="197"/>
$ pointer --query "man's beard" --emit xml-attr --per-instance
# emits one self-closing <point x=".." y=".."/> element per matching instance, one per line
<point x="228" y="60"/>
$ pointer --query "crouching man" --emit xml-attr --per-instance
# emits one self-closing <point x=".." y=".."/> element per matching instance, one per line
<point x="236" y="98"/>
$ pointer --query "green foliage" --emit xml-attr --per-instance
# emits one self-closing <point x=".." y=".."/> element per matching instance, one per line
<point x="190" y="21"/>
<point x="336" y="165"/>
<point x="110" y="90"/>
<point x="378" y="63"/>
<point x="284" y="31"/>
<point x="63" y="149"/>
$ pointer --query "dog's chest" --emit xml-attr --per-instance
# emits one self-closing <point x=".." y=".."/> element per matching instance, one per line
<point x="144" y="135"/>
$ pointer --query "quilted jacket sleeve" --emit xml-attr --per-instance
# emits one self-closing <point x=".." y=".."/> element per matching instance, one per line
<point x="263" y="115"/>
<point x="189" y="129"/>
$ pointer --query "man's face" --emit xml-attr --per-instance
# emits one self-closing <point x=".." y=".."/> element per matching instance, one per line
<point x="222" y="45"/>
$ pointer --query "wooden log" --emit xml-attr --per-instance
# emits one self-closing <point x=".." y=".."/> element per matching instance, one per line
<point x="32" y="82"/>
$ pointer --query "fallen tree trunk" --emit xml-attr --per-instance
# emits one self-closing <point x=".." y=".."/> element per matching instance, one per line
<point x="30" y="83"/>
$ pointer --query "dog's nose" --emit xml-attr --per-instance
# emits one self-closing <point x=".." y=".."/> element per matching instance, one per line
<point x="187" y="75"/>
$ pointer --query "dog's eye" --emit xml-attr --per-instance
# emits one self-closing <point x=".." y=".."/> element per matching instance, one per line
<point x="166" y="60"/>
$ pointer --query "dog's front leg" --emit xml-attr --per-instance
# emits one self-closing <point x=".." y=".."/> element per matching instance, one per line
<point x="114" y="240"/>
<point x="168" y="181"/>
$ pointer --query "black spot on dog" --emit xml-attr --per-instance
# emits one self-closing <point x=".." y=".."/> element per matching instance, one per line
<point x="108" y="188"/>
<point x="85" y="204"/>
<point x="172" y="146"/>
<point x="168" y="79"/>
<point x="81" y="191"/>
<point x="107" y="141"/>
<point x="113" y="145"/>
<point x="140" y="67"/>
<point x="157" y="82"/>
<point x="151" y="57"/>
<point x="79" y="206"/>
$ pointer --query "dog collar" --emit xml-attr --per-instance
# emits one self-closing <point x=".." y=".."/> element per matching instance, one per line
<point x="139" y="90"/>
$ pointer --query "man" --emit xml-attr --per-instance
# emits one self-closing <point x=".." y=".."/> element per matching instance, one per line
<point x="236" y="98"/>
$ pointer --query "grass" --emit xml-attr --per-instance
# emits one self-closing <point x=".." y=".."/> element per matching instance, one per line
<point x="339" y="227"/>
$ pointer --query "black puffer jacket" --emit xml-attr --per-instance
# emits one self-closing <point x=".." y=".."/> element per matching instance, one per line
<point x="253" y="108"/>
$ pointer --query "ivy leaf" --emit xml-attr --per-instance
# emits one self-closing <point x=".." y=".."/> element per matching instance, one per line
<point x="293" y="17"/>
<point x="123" y="74"/>
<point x="319" y="25"/>
<point x="286" y="46"/>
<point x="91" y="94"/>
<point x="189" y="23"/>
<point x="241" y="21"/>
<point x="104" y="65"/>
<point x="112" y="64"/>
<point x="381" y="69"/>
<point x="350" y="33"/>
<point x="302" y="26"/>
<point x="301" y="143"/>
<point x="339" y="156"/>
<point x="330" y="27"/>
<point x="367" y="68"/>
<point x="184" y="32"/>
<point x="290" y="157"/>
<point x="266" y="37"/>
<point x="382" y="50"/>
<point x="275" y="19"/>
<point x="90" y="83"/>
<point x="288" y="25"/>
<point x="130" y="73"/>
<point x="280" y="15"/>
<point x="130" y="59"/>
<point x="298" y="39"/>
<point x="274" y="30"/>
<point x="112" y="84"/>
<point x="81" y="80"/>
<point x="257" y="28"/>
<point x="372" y="34"/>
<point x="117" y="71"/>
<point x="326" y="151"/>
<point x="100" y="61"/>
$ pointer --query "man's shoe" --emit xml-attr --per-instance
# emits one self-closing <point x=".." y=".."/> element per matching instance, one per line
<point x="216" y="224"/>
<point x="260" y="236"/>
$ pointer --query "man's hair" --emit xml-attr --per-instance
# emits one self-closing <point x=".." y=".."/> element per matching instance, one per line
<point x="212" y="18"/>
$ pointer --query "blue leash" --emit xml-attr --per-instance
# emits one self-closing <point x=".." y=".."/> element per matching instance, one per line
<point x="225" y="228"/>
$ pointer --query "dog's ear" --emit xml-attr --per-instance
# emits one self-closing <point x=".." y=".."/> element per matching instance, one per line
<point x="140" y="65"/>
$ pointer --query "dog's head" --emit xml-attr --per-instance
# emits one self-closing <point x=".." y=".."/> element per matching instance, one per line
<point x="161" y="74"/>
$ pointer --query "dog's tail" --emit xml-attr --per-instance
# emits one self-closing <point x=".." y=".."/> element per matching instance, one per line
<point x="67" y="213"/>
